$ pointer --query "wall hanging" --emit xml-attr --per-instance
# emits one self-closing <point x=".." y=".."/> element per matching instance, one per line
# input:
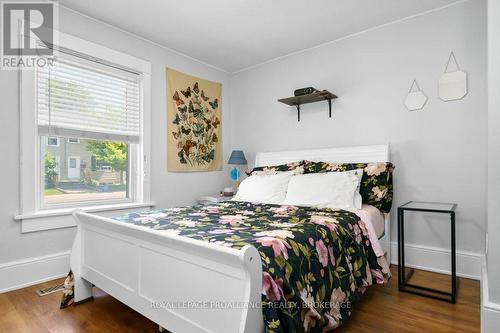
<point x="194" y="135"/>
<point x="416" y="99"/>
<point x="452" y="85"/>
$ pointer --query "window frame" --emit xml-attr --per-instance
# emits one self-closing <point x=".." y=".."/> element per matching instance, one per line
<point x="68" y="140"/>
<point x="31" y="179"/>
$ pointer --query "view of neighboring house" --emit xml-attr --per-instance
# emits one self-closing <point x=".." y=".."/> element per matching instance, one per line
<point x="71" y="157"/>
<point x="78" y="174"/>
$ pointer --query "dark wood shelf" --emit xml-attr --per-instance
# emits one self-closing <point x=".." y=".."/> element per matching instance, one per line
<point x="317" y="96"/>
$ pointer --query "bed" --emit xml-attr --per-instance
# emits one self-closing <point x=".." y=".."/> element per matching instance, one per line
<point x="191" y="276"/>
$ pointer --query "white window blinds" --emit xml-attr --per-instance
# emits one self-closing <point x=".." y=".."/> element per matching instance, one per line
<point x="80" y="101"/>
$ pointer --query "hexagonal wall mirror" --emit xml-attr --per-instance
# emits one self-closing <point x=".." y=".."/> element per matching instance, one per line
<point x="415" y="100"/>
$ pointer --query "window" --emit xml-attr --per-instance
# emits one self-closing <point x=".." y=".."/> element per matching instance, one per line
<point x="53" y="141"/>
<point x="72" y="162"/>
<point x="84" y="125"/>
<point x="102" y="106"/>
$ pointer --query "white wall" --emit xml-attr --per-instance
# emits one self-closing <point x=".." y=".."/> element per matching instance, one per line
<point x="168" y="189"/>
<point x="490" y="314"/>
<point x="439" y="152"/>
<point x="493" y="257"/>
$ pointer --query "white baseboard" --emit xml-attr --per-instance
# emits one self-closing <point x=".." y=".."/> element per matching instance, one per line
<point x="438" y="260"/>
<point x="27" y="272"/>
<point x="23" y="273"/>
<point x="489" y="320"/>
<point x="490" y="312"/>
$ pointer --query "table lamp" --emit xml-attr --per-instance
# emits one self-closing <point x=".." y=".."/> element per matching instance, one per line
<point x="237" y="158"/>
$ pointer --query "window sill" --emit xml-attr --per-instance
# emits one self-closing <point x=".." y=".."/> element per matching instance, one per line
<point x="88" y="209"/>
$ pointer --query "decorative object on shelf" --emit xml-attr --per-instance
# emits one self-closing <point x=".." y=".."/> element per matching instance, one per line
<point x="416" y="99"/>
<point x="194" y="135"/>
<point x="237" y="158"/>
<point x="317" y="96"/>
<point x="452" y="85"/>
<point x="304" y="91"/>
<point x="404" y="275"/>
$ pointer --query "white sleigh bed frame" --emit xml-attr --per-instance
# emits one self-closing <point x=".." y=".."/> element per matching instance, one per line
<point x="150" y="271"/>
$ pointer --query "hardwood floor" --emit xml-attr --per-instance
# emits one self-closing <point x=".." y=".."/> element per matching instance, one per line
<point x="385" y="309"/>
<point x="382" y="309"/>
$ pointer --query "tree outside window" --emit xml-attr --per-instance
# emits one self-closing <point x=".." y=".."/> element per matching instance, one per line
<point x="50" y="170"/>
<point x="112" y="154"/>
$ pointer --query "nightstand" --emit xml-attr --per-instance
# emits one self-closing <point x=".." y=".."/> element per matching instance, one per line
<point x="211" y="199"/>
<point x="403" y="276"/>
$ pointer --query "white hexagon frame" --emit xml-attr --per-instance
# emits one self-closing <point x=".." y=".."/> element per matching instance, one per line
<point x="415" y="101"/>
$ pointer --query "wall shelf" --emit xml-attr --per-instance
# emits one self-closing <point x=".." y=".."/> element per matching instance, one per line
<point x="317" y="96"/>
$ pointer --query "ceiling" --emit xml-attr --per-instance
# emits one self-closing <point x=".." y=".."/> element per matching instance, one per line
<point x="236" y="34"/>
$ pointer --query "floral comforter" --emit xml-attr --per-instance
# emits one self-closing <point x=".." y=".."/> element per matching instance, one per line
<point x="316" y="262"/>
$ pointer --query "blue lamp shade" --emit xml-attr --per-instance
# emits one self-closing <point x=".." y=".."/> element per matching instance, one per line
<point x="237" y="157"/>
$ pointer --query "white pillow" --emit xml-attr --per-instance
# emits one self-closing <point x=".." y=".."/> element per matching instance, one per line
<point x="270" y="189"/>
<point x="326" y="190"/>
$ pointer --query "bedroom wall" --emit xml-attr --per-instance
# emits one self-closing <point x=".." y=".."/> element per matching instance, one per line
<point x="26" y="257"/>
<point x="490" y="300"/>
<point x="439" y="152"/>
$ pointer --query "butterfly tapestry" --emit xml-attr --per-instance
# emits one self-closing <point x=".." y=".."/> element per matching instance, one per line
<point x="194" y="123"/>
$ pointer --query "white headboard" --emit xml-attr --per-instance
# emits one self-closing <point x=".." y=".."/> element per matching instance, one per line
<point x="357" y="154"/>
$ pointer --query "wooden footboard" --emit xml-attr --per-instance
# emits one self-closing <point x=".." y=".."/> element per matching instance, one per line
<point x="182" y="284"/>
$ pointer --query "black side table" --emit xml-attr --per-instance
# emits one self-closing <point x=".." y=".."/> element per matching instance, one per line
<point x="403" y="277"/>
